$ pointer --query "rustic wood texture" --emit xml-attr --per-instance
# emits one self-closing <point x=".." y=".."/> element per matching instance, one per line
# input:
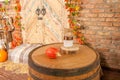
<point x="48" y="30"/>
<point x="9" y="75"/>
<point x="13" y="71"/>
<point x="17" y="68"/>
<point x="93" y="75"/>
<point x="69" y="50"/>
<point x="82" y="65"/>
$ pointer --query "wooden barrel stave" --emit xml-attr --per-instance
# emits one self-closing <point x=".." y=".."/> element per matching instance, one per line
<point x="92" y="75"/>
<point x="39" y="72"/>
<point x="63" y="72"/>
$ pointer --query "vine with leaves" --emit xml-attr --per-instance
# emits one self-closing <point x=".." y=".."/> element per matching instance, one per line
<point x="4" y="8"/>
<point x="17" y="24"/>
<point x="73" y="7"/>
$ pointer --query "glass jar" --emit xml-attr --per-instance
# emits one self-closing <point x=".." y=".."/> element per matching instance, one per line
<point x="68" y="38"/>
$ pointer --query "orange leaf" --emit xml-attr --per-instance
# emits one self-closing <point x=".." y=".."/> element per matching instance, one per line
<point x="13" y="45"/>
<point x="18" y="7"/>
<point x="17" y="1"/>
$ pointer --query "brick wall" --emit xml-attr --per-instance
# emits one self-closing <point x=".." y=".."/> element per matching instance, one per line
<point x="101" y="19"/>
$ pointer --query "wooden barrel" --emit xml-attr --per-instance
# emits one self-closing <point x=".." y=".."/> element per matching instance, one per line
<point x="20" y="53"/>
<point x="83" y="65"/>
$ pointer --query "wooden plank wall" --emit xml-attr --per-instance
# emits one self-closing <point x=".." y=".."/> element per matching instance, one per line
<point x="48" y="30"/>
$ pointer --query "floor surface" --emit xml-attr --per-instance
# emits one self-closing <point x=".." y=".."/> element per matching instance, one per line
<point x="9" y="75"/>
<point x="110" y="74"/>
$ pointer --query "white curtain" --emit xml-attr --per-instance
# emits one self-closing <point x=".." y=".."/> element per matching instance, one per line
<point x="48" y="30"/>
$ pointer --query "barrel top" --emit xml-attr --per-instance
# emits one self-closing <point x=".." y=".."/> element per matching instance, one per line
<point x="84" y="57"/>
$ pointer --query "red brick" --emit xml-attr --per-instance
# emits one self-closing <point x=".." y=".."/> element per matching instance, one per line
<point x="85" y="11"/>
<point x="90" y="32"/>
<point x="83" y="31"/>
<point x="113" y="56"/>
<point x="94" y="28"/>
<point x="117" y="34"/>
<point x="107" y="46"/>
<point x="93" y="44"/>
<point x="106" y="15"/>
<point x="90" y="24"/>
<point x="116" y="42"/>
<point x="106" y="54"/>
<point x="88" y="6"/>
<point x="107" y="28"/>
<point x="90" y="15"/>
<point x="110" y="28"/>
<point x="97" y="10"/>
<point x="91" y="40"/>
<point x="116" y="24"/>
<point x="84" y="19"/>
<point x="112" y="1"/>
<point x="118" y="47"/>
<point x="115" y="38"/>
<point x="107" y="37"/>
<point x="91" y="19"/>
<point x="88" y="36"/>
<point x="118" y="53"/>
<point x="118" y="5"/>
<point x="84" y="1"/>
<point x="104" y="50"/>
<point x="97" y="1"/>
<point x="113" y="19"/>
<point x="117" y="10"/>
<point x="98" y="36"/>
<point x="117" y="15"/>
<point x="104" y="24"/>
<point x="102" y="6"/>
<point x="112" y="64"/>
<point x="109" y="10"/>
<point x="105" y="41"/>
<point x="103" y="33"/>
<point x="97" y="19"/>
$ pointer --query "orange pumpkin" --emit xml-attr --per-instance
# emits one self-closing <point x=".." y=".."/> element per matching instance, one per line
<point x="3" y="55"/>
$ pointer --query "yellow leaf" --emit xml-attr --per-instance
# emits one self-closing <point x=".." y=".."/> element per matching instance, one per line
<point x="77" y="8"/>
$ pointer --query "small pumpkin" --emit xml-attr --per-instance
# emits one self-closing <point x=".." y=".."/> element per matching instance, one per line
<point x="52" y="52"/>
<point x="3" y="55"/>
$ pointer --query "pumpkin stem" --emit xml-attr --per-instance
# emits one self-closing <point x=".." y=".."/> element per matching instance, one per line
<point x="58" y="54"/>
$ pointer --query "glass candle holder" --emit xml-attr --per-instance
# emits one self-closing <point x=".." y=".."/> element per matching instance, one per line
<point x="68" y="38"/>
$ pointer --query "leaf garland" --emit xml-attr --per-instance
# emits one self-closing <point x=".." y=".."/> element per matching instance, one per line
<point x="17" y="24"/>
<point x="73" y="8"/>
<point x="17" y="40"/>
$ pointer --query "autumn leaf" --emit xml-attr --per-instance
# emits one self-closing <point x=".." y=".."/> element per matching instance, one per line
<point x="66" y="0"/>
<point x="77" y="8"/>
<point x="83" y="38"/>
<point x="73" y="10"/>
<point x="23" y="28"/>
<point x="6" y="2"/>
